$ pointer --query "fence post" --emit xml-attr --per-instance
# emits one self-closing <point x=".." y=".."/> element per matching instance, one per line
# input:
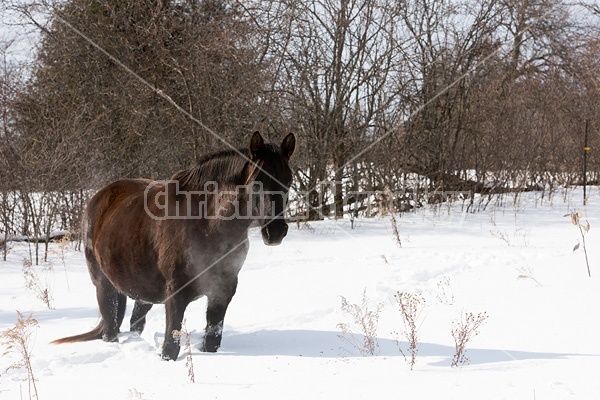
<point x="586" y="148"/>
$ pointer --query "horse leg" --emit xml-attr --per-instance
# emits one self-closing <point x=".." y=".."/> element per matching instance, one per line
<point x="175" y="308"/>
<point x="138" y="316"/>
<point x="112" y="306"/>
<point x="215" y="315"/>
<point x="121" y="307"/>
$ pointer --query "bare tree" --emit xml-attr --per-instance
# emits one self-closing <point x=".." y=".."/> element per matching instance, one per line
<point x="337" y="65"/>
<point x="197" y="52"/>
<point x="11" y="78"/>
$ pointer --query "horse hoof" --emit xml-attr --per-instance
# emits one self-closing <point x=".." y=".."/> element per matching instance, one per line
<point x="136" y="329"/>
<point x="170" y="353"/>
<point x="110" y="338"/>
<point x="209" y="348"/>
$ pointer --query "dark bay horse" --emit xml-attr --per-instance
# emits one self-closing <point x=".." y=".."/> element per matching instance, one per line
<point x="174" y="242"/>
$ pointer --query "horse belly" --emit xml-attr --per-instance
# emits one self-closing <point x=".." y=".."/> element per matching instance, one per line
<point x="140" y="281"/>
<point x="144" y="288"/>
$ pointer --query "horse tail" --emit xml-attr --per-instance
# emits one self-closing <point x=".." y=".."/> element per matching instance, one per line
<point x="94" y="334"/>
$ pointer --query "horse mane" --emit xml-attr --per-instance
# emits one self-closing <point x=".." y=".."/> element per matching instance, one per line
<point x="224" y="167"/>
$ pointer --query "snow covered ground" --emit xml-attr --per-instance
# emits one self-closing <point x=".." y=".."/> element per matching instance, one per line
<point x="541" y="339"/>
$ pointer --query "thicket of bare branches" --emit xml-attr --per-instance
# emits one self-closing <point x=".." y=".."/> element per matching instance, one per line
<point x="410" y="96"/>
<point x="98" y="121"/>
<point x="424" y="96"/>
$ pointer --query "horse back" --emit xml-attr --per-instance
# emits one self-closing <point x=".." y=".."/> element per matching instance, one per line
<point x="109" y="201"/>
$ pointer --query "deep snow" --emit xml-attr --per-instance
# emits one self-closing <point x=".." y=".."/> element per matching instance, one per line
<point x="540" y="341"/>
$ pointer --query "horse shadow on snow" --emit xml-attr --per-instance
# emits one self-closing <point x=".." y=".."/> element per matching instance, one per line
<point x="329" y="344"/>
<point x="310" y="343"/>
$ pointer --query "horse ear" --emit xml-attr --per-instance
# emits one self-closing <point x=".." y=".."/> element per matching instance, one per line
<point x="256" y="143"/>
<point x="288" y="145"/>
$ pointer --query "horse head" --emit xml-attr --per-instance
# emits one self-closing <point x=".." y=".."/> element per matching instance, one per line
<point x="268" y="178"/>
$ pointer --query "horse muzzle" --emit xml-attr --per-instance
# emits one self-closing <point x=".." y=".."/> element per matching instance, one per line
<point x="273" y="233"/>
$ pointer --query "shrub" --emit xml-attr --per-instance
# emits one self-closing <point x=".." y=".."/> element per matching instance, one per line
<point x="462" y="331"/>
<point x="410" y="306"/>
<point x="365" y="321"/>
<point x="17" y="340"/>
